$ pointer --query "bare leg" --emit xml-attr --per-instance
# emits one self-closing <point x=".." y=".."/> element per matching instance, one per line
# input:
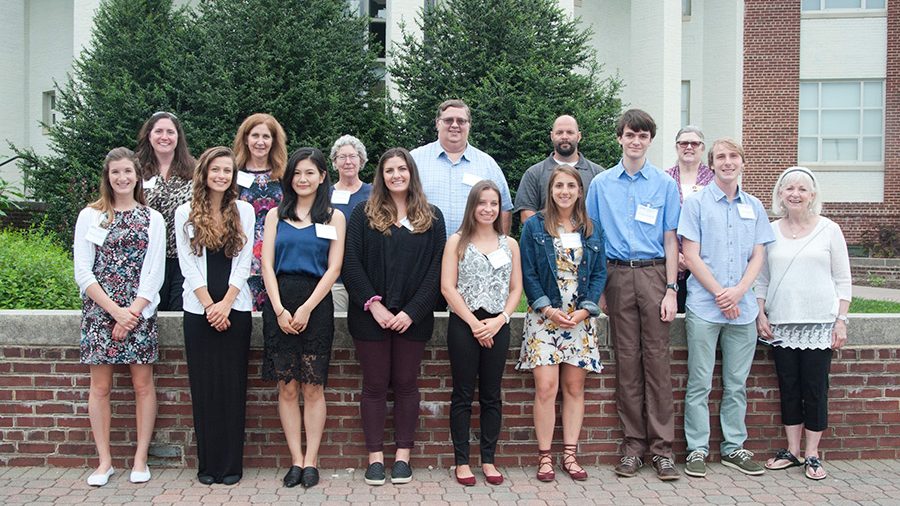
<point x="793" y="433"/>
<point x="289" y="412"/>
<point x="376" y="457"/>
<point x="402" y="454"/>
<point x="100" y="413"/>
<point x="145" y="411"/>
<point x="464" y="471"/>
<point x="314" y="418"/>
<point x="572" y="407"/>
<point x="812" y="443"/>
<point x="546" y="385"/>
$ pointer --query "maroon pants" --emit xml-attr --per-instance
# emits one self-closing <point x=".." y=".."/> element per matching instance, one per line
<point x="394" y="361"/>
<point x="641" y="342"/>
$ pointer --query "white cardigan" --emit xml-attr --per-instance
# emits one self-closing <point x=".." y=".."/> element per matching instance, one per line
<point x="808" y="289"/>
<point x="152" y="269"/>
<point x="193" y="267"/>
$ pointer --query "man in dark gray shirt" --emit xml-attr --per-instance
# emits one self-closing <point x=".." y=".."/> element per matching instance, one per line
<point x="532" y="192"/>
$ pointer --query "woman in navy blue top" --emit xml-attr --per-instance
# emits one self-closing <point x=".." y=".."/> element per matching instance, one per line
<point x="303" y="248"/>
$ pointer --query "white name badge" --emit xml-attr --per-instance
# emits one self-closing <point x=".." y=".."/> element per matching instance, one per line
<point x="96" y="235"/>
<point x="340" y="197"/>
<point x="498" y="259"/>
<point x="746" y="211"/>
<point x="406" y="224"/>
<point x="326" y="232"/>
<point x="646" y="214"/>
<point x="190" y="230"/>
<point x="150" y="183"/>
<point x="471" y="179"/>
<point x="570" y="240"/>
<point x="245" y="179"/>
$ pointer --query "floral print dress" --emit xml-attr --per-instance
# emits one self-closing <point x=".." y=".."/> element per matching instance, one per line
<point x="117" y="268"/>
<point x="264" y="194"/>
<point x="544" y="342"/>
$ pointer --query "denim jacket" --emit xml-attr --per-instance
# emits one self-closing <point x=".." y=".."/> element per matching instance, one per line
<point x="539" y="267"/>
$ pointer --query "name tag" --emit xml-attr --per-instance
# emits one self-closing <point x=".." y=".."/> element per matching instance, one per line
<point x="745" y="211"/>
<point x="340" y="197"/>
<point x="96" y="235"/>
<point x="570" y="240"/>
<point x="471" y="179"/>
<point x="245" y="179"/>
<point x="646" y="214"/>
<point x="326" y="232"/>
<point x="406" y="224"/>
<point x="150" y="183"/>
<point x="190" y="230"/>
<point x="498" y="259"/>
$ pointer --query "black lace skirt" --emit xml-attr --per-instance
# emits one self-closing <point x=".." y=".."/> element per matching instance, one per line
<point x="303" y="357"/>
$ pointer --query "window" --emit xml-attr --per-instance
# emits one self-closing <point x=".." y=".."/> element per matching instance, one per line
<point x="841" y="121"/>
<point x="827" y="5"/>
<point x="48" y="110"/>
<point x="686" y="8"/>
<point x="685" y="103"/>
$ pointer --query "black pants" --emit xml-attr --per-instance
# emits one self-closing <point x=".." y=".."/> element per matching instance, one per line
<point x="173" y="284"/>
<point x="681" y="296"/>
<point x="468" y="361"/>
<point x="803" y="381"/>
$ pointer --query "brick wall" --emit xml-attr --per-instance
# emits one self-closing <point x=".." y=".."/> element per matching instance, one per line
<point x="43" y="411"/>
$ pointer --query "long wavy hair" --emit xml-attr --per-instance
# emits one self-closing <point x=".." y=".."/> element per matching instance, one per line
<point x="106" y="202"/>
<point x="469" y="223"/>
<point x="579" y="213"/>
<point x="277" y="153"/>
<point x="321" y="210"/>
<point x="380" y="208"/>
<point x="183" y="163"/>
<point x="227" y="234"/>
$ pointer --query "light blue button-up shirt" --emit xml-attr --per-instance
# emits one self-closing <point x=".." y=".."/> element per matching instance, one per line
<point x="443" y="183"/>
<point x="726" y="239"/>
<point x="613" y="200"/>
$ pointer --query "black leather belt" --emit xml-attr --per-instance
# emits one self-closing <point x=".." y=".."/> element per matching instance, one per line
<point x="634" y="264"/>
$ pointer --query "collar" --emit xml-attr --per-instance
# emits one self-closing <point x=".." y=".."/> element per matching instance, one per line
<point x="619" y="169"/>
<point x="441" y="152"/>
<point x="718" y="194"/>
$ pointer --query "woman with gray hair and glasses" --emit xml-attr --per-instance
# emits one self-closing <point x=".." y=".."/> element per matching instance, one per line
<point x="348" y="155"/>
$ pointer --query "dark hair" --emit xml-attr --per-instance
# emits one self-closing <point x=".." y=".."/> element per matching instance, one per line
<point x="579" y="213"/>
<point x="380" y="208"/>
<point x="228" y="234"/>
<point x="453" y="102"/>
<point x="321" y="209"/>
<point x="636" y="120"/>
<point x="182" y="164"/>
<point x="467" y="228"/>
<point x="106" y="202"/>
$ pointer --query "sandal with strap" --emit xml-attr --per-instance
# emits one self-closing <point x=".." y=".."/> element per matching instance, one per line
<point x="783" y="454"/>
<point x="569" y="463"/>
<point x="813" y="464"/>
<point x="545" y="461"/>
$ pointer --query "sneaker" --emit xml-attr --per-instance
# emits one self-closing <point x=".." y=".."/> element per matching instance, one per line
<point x="628" y="466"/>
<point x="375" y="474"/>
<point x="665" y="468"/>
<point x="401" y="472"/>
<point x="742" y="460"/>
<point x="695" y="464"/>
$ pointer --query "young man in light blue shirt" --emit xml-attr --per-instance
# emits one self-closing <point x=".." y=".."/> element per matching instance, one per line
<point x="724" y="232"/>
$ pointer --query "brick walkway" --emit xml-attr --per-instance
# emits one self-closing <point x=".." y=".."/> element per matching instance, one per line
<point x="872" y="482"/>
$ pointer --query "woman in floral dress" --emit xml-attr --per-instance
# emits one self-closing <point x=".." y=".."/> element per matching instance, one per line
<point x="563" y="272"/>
<point x="119" y="251"/>
<point x="260" y="151"/>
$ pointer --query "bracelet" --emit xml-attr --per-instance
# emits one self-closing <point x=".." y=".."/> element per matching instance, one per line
<point x="281" y="313"/>
<point x="505" y="316"/>
<point x="372" y="300"/>
<point x="211" y="304"/>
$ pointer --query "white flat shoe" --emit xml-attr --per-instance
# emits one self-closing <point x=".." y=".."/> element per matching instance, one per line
<point x="140" y="477"/>
<point x="98" y="480"/>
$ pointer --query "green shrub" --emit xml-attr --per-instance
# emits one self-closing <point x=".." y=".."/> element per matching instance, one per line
<point x="36" y="272"/>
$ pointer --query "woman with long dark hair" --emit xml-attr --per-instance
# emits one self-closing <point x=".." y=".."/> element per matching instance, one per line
<point x="214" y="235"/>
<point x="303" y="249"/>
<point x="119" y="253"/>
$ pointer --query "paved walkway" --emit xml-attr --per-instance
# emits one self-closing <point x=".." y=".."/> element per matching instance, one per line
<point x="873" y="293"/>
<point x="871" y="482"/>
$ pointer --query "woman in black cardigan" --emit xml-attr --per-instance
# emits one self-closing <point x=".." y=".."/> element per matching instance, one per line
<point x="391" y="271"/>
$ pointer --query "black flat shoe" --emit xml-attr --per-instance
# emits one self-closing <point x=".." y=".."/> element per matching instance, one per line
<point x="310" y="477"/>
<point x="292" y="478"/>
<point x="231" y="479"/>
<point x="205" y="479"/>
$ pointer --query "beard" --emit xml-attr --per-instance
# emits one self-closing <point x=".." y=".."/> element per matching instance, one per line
<point x="566" y="149"/>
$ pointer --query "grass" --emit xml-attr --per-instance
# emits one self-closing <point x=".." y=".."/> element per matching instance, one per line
<point x="856" y="306"/>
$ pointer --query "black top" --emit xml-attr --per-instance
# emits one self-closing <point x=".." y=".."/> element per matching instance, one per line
<point x="218" y="270"/>
<point x="403" y="268"/>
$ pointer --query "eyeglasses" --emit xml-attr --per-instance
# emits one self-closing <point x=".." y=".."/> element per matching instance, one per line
<point x="459" y="121"/>
<point x="344" y="158"/>
<point x="693" y="144"/>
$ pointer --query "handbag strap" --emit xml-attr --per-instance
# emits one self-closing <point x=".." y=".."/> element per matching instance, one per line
<point x="811" y="237"/>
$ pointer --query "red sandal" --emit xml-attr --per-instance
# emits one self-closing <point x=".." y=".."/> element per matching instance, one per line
<point x="545" y="461"/>
<point x="569" y="462"/>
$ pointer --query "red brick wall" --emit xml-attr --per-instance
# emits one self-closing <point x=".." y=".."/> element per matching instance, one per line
<point x="43" y="411"/>
<point x="770" y="111"/>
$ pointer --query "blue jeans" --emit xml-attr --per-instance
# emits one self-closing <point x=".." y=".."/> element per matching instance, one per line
<point x="738" y="344"/>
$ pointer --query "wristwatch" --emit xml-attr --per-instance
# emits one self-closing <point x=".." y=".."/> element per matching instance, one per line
<point x="672" y="286"/>
<point x="843" y="318"/>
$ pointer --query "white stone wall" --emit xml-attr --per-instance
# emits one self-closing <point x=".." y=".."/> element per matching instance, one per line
<point x="12" y="85"/>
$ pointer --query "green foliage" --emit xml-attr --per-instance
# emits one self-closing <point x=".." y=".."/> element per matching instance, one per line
<point x="518" y="64"/>
<point x="858" y="305"/>
<point x="882" y="241"/>
<point x="7" y="193"/>
<point x="36" y="272"/>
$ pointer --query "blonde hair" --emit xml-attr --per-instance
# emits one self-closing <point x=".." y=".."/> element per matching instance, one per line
<point x="228" y="234"/>
<point x="278" y="152"/>
<point x="800" y="175"/>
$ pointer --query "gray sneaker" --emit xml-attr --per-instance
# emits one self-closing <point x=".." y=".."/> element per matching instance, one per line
<point x="695" y="464"/>
<point x="742" y="460"/>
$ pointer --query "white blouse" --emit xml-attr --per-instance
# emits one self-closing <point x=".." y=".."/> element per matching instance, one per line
<point x="152" y="269"/>
<point x="193" y="267"/>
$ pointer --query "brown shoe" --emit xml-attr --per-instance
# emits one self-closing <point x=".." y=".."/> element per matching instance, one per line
<point x="665" y="468"/>
<point x="628" y="466"/>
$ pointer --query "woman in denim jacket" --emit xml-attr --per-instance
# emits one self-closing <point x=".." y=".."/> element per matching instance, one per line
<point x="564" y="272"/>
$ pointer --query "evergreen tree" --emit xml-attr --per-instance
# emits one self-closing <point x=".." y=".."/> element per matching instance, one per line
<point x="125" y="76"/>
<point x="518" y="64"/>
